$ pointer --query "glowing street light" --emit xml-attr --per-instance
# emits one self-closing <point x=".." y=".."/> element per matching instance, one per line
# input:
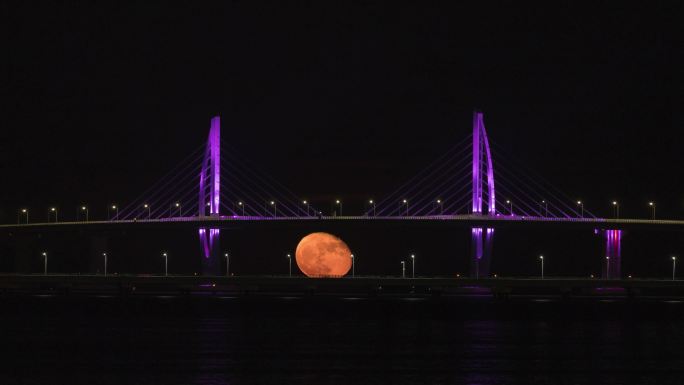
<point x="242" y="207"/>
<point x="413" y="266"/>
<point x="53" y="210"/>
<point x="105" y="263"/>
<point x="510" y="206"/>
<point x="544" y="208"/>
<point x="616" y="209"/>
<point x="403" y="269"/>
<point x="607" y="267"/>
<point x="149" y="211"/>
<point x="352" y="259"/>
<point x="289" y="259"/>
<point x="581" y="205"/>
<point x="372" y="204"/>
<point x="441" y="207"/>
<point x="23" y="212"/>
<point x="44" y="254"/>
<point x="652" y="205"/>
<point x="84" y="210"/>
<point x="404" y="202"/>
<point x="176" y="206"/>
<point x="306" y="206"/>
<point x="339" y="204"/>
<point x="541" y="259"/>
<point x="114" y="208"/>
<point x="166" y="263"/>
<point x="674" y="266"/>
<point x="275" y="208"/>
<point x="227" y="264"/>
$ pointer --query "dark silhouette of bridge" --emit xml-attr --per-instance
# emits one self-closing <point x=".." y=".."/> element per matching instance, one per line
<point x="210" y="191"/>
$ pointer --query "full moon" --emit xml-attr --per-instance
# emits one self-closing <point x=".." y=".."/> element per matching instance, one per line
<point x="323" y="255"/>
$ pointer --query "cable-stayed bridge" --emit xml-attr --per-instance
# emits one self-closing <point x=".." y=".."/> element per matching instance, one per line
<point x="473" y="184"/>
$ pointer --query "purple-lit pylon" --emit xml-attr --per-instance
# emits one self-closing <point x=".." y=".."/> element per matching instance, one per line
<point x="612" y="266"/>
<point x="209" y="198"/>
<point x="483" y="175"/>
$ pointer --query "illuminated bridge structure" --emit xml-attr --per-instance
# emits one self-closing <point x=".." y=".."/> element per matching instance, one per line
<point x="215" y="188"/>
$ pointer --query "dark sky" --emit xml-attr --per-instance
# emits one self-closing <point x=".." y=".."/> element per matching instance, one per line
<point x="348" y="101"/>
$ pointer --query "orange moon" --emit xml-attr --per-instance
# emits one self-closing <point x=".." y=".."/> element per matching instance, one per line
<point x="323" y="255"/>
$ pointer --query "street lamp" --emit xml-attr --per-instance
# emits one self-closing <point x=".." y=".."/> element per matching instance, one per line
<point x="242" y="207"/>
<point x="149" y="211"/>
<point x="306" y="206"/>
<point x="115" y="208"/>
<point x="53" y="210"/>
<point x="652" y="204"/>
<point x="338" y="203"/>
<point x="352" y="258"/>
<point x="405" y="203"/>
<point x="510" y="206"/>
<point x="275" y="209"/>
<point x="289" y="259"/>
<point x="607" y="267"/>
<point x="413" y="266"/>
<point x="581" y="205"/>
<point x="403" y="269"/>
<point x="544" y="208"/>
<point x="20" y="213"/>
<point x="227" y="264"/>
<point x="372" y="204"/>
<point x="674" y="266"/>
<point x="84" y="209"/>
<point x="541" y="259"/>
<point x="616" y="209"/>
<point x="105" y="263"/>
<point x="166" y="263"/>
<point x="177" y="206"/>
<point x="440" y="206"/>
<point x="45" y="262"/>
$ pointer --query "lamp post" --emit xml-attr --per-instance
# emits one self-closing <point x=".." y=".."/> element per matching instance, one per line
<point x="242" y="207"/>
<point x="289" y="259"/>
<point x="275" y="208"/>
<point x="674" y="266"/>
<point x="53" y="210"/>
<point x="652" y="205"/>
<point x="227" y="264"/>
<point x="440" y="206"/>
<point x="44" y="262"/>
<point x="544" y="208"/>
<point x="541" y="259"/>
<point x="105" y="263"/>
<point x="413" y="266"/>
<point x="510" y="206"/>
<point x="178" y="207"/>
<point x="306" y="206"/>
<point x="339" y="204"/>
<point x="166" y="263"/>
<point x="403" y="269"/>
<point x="114" y="208"/>
<point x="20" y="213"/>
<point x="352" y="258"/>
<point x="404" y="202"/>
<point x="607" y="267"/>
<point x="84" y="210"/>
<point x="581" y="205"/>
<point x="372" y="204"/>
<point x="616" y="209"/>
<point x="149" y="211"/>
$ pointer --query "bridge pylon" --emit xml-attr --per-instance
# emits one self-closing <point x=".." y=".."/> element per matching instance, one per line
<point x="209" y="199"/>
<point x="484" y="199"/>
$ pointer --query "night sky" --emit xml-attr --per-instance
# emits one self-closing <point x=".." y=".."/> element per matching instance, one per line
<point x="345" y="101"/>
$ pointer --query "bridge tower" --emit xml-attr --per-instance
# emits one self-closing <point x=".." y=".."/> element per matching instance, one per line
<point x="484" y="199"/>
<point x="612" y="266"/>
<point x="209" y="199"/>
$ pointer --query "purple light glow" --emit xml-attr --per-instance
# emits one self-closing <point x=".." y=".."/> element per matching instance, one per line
<point x="612" y="269"/>
<point x="482" y="248"/>
<point x="211" y="169"/>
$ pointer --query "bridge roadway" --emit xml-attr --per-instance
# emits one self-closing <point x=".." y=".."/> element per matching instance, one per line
<point x="458" y="220"/>
<point x="364" y="287"/>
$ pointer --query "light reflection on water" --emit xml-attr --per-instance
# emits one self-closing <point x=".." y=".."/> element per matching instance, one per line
<point x="181" y="340"/>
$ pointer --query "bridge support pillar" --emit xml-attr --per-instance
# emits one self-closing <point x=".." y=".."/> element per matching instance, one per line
<point x="612" y="263"/>
<point x="209" y="199"/>
<point x="481" y="252"/>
